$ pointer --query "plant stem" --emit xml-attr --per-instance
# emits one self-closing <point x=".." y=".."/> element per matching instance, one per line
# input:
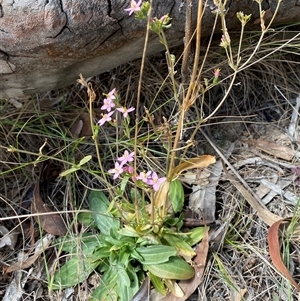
<point x="137" y="117"/>
<point x="187" y="42"/>
<point x="92" y="97"/>
<point x="170" y="64"/>
<point x="187" y="99"/>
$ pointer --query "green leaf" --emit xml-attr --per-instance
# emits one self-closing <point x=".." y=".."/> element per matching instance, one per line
<point x="86" y="243"/>
<point x="136" y="255"/>
<point x="183" y="248"/>
<point x="158" y="284"/>
<point x="76" y="270"/>
<point x="103" y="252"/>
<point x="86" y="218"/>
<point x="176" y="268"/>
<point x="69" y="171"/>
<point x="117" y="283"/>
<point x="105" y="221"/>
<point x="113" y="241"/>
<point x="123" y="276"/>
<point x="125" y="256"/>
<point x="155" y="254"/>
<point x="172" y="221"/>
<point x="124" y="182"/>
<point x="85" y="160"/>
<point x="128" y="231"/>
<point x="135" y="194"/>
<point x="196" y="235"/>
<point x="176" y="195"/>
<point x="126" y="292"/>
<point x="107" y="290"/>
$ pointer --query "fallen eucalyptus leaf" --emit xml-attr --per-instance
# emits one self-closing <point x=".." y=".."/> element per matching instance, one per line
<point x="198" y="162"/>
<point x="51" y="223"/>
<point x="274" y="250"/>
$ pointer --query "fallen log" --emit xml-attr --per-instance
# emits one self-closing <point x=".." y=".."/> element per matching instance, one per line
<point x="45" y="44"/>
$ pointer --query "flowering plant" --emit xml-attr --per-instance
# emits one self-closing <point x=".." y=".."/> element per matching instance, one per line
<point x="141" y="222"/>
<point x="136" y="238"/>
<point x="140" y="236"/>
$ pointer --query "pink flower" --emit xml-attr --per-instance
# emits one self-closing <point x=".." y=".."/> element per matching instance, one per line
<point x="126" y="157"/>
<point x="134" y="7"/>
<point x="128" y="169"/>
<point x="111" y="94"/>
<point x="108" y="104"/>
<point x="155" y="181"/>
<point x="144" y="177"/>
<point x="125" y="111"/>
<point x="217" y="72"/>
<point x="117" y="170"/>
<point x="105" y="118"/>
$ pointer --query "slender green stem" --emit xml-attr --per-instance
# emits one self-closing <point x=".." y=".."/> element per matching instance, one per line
<point x="94" y="137"/>
<point x="137" y="117"/>
<point x="264" y="31"/>
<point x="223" y="99"/>
<point x="170" y="64"/>
<point x="240" y="46"/>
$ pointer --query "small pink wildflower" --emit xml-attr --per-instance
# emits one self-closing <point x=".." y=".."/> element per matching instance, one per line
<point x="111" y="95"/>
<point x="105" y="118"/>
<point x="108" y="104"/>
<point x="155" y="181"/>
<point x="125" y="111"/>
<point x="126" y="157"/>
<point x="144" y="177"/>
<point x="117" y="170"/>
<point x="128" y="169"/>
<point x="217" y="72"/>
<point x="134" y="6"/>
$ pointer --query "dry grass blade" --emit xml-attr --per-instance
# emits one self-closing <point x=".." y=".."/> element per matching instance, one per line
<point x="268" y="217"/>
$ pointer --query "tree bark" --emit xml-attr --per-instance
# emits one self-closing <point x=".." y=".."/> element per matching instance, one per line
<point x="45" y="44"/>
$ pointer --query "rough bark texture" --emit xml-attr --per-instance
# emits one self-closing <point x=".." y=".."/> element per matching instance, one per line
<point x="45" y="44"/>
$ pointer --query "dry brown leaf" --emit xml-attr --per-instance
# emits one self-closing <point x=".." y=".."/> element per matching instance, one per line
<point x="241" y="293"/>
<point x="52" y="223"/>
<point x="268" y="217"/>
<point x="161" y="195"/>
<point x="198" y="162"/>
<point x="143" y="292"/>
<point x="76" y="128"/>
<point x="274" y="250"/>
<point x="21" y="265"/>
<point x="274" y="149"/>
<point x="82" y="126"/>
<point x="189" y="286"/>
